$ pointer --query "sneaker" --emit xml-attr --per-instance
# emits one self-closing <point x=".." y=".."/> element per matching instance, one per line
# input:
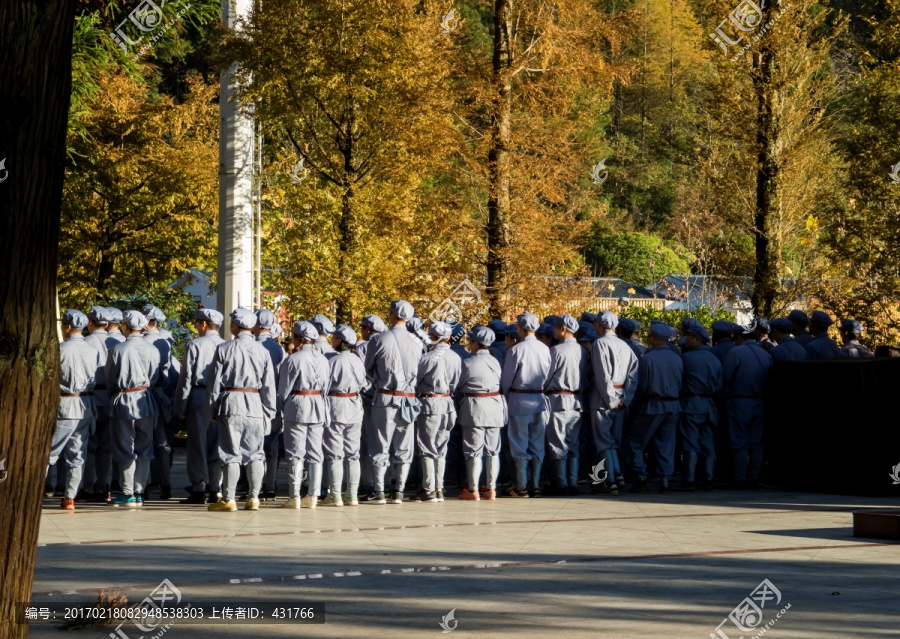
<point x="706" y="486"/>
<point x="663" y="489"/>
<point x="572" y="491"/>
<point x="752" y="484"/>
<point x="165" y="493"/>
<point x="534" y="492"/>
<point x="129" y="501"/>
<point x="252" y="504"/>
<point x="377" y="497"/>
<point x="268" y="495"/>
<point x="223" y="506"/>
<point x="351" y="500"/>
<point x="687" y="487"/>
<point x="468" y="495"/>
<point x="605" y="489"/>
<point x="639" y="486"/>
<point x="67" y="504"/>
<point x="292" y="503"/>
<point x="139" y="499"/>
<point x="48" y="490"/>
<point x="197" y="497"/>
<point x="213" y="496"/>
<point x="620" y="481"/>
<point x="425" y="495"/>
<point x="490" y="494"/>
<point x="737" y="485"/>
<point x="396" y="497"/>
<point x="333" y="500"/>
<point x="512" y="491"/>
<point x="309" y="501"/>
<point x="439" y="494"/>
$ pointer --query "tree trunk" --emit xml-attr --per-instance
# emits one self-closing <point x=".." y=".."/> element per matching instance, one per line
<point x="35" y="82"/>
<point x="344" y="304"/>
<point x="498" y="157"/>
<point x="766" y="284"/>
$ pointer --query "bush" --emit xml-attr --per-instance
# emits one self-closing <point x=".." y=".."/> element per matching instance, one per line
<point x="635" y="257"/>
<point x="674" y="317"/>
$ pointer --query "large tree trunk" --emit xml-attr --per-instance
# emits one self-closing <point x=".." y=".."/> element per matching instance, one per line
<point x="35" y="81"/>
<point x="498" y="157"/>
<point x="766" y="285"/>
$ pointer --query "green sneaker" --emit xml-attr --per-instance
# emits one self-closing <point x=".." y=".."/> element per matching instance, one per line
<point x="129" y="501"/>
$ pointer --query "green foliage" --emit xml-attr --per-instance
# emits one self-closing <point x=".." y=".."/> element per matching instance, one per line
<point x="177" y="306"/>
<point x="674" y="317"/>
<point x="635" y="257"/>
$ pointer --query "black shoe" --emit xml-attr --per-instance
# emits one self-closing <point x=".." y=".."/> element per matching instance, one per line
<point x="663" y="489"/>
<point x="48" y="490"/>
<point x="639" y="486"/>
<point x="620" y="481"/>
<point x="752" y="484"/>
<point x="165" y="493"/>
<point x="687" y="487"/>
<point x="573" y="491"/>
<point x="268" y="495"/>
<point x="534" y="492"/>
<point x="737" y="485"/>
<point x="396" y="497"/>
<point x="706" y="486"/>
<point x="424" y="495"/>
<point x="198" y="497"/>
<point x="439" y="495"/>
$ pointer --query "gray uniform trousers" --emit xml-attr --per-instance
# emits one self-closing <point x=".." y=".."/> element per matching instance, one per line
<point x="303" y="444"/>
<point x="563" y="433"/>
<point x="745" y="429"/>
<point x="96" y="475"/>
<point x="132" y="449"/>
<point x="392" y="441"/>
<point x="607" y="426"/>
<point x="480" y="442"/>
<point x="203" y="465"/>
<point x="526" y="443"/>
<point x="432" y="441"/>
<point x="340" y="444"/>
<point x="697" y="432"/>
<point x="241" y="443"/>
<point x="660" y="429"/>
<point x="70" y="443"/>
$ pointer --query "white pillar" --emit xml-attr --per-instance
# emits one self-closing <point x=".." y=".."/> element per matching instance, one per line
<point x="236" y="216"/>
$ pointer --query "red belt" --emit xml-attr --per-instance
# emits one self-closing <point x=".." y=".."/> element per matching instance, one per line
<point x="618" y="385"/>
<point x="395" y="393"/>
<point x="430" y="395"/>
<point x="559" y="392"/>
<point x="335" y="394"/>
<point x="526" y="391"/>
<point x="75" y="394"/>
<point x="308" y="392"/>
<point x="243" y="390"/>
<point x="133" y="390"/>
<point x="494" y="394"/>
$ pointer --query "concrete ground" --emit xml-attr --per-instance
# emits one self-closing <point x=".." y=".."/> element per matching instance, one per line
<point x="650" y="565"/>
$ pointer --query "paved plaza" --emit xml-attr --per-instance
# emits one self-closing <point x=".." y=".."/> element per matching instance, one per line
<point x="648" y="565"/>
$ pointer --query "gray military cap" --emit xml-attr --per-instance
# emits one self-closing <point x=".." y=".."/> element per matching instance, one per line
<point x="276" y="331"/>
<point x="306" y="330"/>
<point x="588" y="317"/>
<point x="345" y="334"/>
<point x="135" y="320"/>
<point x="153" y="313"/>
<point x="782" y="325"/>
<point x="498" y="326"/>
<point x="98" y="315"/>
<point x="763" y="325"/>
<point x="567" y="322"/>
<point x="322" y="324"/>
<point x="661" y="330"/>
<point x="209" y="315"/>
<point x="822" y="318"/>
<point x="528" y="321"/>
<point x="374" y="323"/>
<point x="687" y="322"/>
<point x="266" y="318"/>
<point x="798" y="316"/>
<point x="402" y="309"/>
<point x="629" y="325"/>
<point x="243" y="317"/>
<point x="607" y="319"/>
<point x="482" y="335"/>
<point x="440" y="330"/>
<point x="698" y="330"/>
<point x="724" y="326"/>
<point x="114" y="314"/>
<point x="74" y="318"/>
<point x="851" y="326"/>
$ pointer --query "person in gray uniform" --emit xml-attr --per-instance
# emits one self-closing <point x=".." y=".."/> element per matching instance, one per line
<point x="342" y="435"/>
<point x="415" y="327"/>
<point x="132" y="371"/>
<point x="722" y="334"/>
<point x="436" y="382"/>
<point x="498" y="349"/>
<point x="241" y="397"/>
<point x="615" y="375"/>
<point x="368" y="326"/>
<point x="564" y="388"/>
<point x="701" y="382"/>
<point x="303" y="386"/>
<point x="659" y="387"/>
<point x="545" y="335"/>
<point x="325" y="327"/>
<point x="821" y="346"/>
<point x="799" y="321"/>
<point x="787" y="349"/>
<point x="392" y="363"/>
<point x="482" y="414"/>
<point x="163" y="434"/>
<point x="75" y="417"/>
<point x="203" y="466"/>
<point x="96" y="466"/>
<point x="266" y="322"/>
<point x="626" y="331"/>
<point x="114" y="334"/>
<point x="522" y="380"/>
<point x="850" y="330"/>
<point x="745" y="377"/>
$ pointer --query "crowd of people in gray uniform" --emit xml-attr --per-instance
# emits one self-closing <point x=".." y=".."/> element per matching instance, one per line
<point x="587" y="395"/>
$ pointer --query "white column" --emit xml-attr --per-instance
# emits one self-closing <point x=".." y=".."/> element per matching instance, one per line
<point x="236" y="215"/>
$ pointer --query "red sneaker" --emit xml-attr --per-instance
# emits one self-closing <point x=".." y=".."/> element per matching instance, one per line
<point x="490" y="493"/>
<point x="67" y="504"/>
<point x="468" y="495"/>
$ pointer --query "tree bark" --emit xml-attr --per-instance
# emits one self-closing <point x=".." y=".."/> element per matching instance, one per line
<point x="766" y="285"/>
<point x="498" y="157"/>
<point x="35" y="83"/>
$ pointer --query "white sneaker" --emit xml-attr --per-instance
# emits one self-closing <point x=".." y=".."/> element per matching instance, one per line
<point x="332" y="500"/>
<point x="293" y="502"/>
<point x="309" y="501"/>
<point x="351" y="500"/>
<point x="251" y="504"/>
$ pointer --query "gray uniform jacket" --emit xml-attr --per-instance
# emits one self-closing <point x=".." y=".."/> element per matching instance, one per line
<point x="637" y="346"/>
<point x="325" y="347"/>
<point x="568" y="372"/>
<point x="498" y="350"/>
<point x="803" y="338"/>
<point x="460" y="350"/>
<point x="198" y="357"/>
<point x="660" y="375"/>
<point x="305" y="370"/>
<point x="701" y="380"/>
<point x="241" y="363"/>
<point x="158" y="340"/>
<point x="746" y="371"/>
<point x="823" y="347"/>
<point x="276" y="352"/>
<point x="367" y="392"/>
<point x="855" y="350"/>
<point x="439" y="371"/>
<point x="99" y="341"/>
<point x="114" y="337"/>
<point x="614" y="365"/>
<point x="481" y="374"/>
<point x="721" y="349"/>
<point x="788" y="350"/>
<point x="348" y="375"/>
<point x="78" y="366"/>
<point x="131" y="364"/>
<point x="525" y="368"/>
<point x="392" y="363"/>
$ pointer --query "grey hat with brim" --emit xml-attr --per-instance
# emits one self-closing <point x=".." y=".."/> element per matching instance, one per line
<point x="135" y="320"/>
<point x="305" y="330"/>
<point x="266" y="318"/>
<point x="482" y="335"/>
<point x="209" y="315"/>
<point x="75" y="318"/>
<point x="243" y="317"/>
<point x="402" y="309"/>
<point x="345" y="334"/>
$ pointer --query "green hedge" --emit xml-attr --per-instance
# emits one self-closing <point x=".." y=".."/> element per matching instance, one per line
<point x="674" y="317"/>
